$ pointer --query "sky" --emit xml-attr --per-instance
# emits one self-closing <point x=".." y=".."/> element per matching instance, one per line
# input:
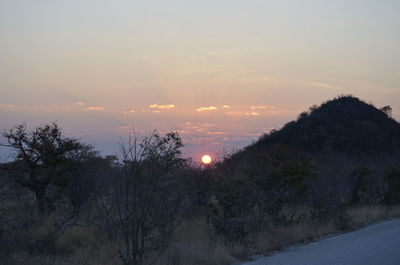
<point x="219" y="72"/>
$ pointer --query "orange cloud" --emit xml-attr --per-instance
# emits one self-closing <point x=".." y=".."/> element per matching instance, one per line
<point x="155" y="106"/>
<point x="226" y="107"/>
<point x="96" y="108"/>
<point x="252" y="113"/>
<point x="80" y="103"/>
<point x="262" y="107"/>
<point x="206" y="108"/>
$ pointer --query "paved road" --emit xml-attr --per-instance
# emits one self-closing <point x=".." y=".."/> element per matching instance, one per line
<point x="378" y="244"/>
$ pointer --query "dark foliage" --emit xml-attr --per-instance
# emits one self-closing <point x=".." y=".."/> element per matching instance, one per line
<point x="259" y="193"/>
<point x="348" y="142"/>
<point x="392" y="179"/>
<point x="345" y="124"/>
<point x="44" y="158"/>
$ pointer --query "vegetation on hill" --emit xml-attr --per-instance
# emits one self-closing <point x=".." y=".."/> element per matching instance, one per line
<point x="351" y="143"/>
<point x="345" y="124"/>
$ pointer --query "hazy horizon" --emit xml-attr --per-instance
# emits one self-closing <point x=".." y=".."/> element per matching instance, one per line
<point x="221" y="73"/>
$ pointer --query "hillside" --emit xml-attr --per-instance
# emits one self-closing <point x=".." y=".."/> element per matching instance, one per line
<point x="345" y="124"/>
<point x="350" y="143"/>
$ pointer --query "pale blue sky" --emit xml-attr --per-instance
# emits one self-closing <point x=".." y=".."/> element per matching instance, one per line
<point x="118" y="56"/>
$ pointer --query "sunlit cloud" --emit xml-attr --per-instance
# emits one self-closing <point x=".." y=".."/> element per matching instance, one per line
<point x="226" y="107"/>
<point x="80" y="103"/>
<point x="252" y="113"/>
<point x="194" y="127"/>
<point x="155" y="106"/>
<point x="95" y="108"/>
<point x="206" y="108"/>
<point x="262" y="107"/>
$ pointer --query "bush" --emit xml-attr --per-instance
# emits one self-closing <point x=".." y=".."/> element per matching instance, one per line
<point x="392" y="182"/>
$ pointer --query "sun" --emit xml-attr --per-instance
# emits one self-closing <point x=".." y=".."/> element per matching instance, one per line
<point x="206" y="159"/>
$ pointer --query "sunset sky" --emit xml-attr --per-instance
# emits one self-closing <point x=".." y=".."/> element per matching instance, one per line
<point x="220" y="72"/>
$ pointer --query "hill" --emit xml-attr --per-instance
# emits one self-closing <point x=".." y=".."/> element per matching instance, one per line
<point x="350" y="142"/>
<point x="345" y="125"/>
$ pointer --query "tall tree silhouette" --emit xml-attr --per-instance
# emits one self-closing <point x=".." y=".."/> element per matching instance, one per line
<point x="43" y="157"/>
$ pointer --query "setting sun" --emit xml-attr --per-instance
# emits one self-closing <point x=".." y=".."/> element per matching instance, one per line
<point x="206" y="159"/>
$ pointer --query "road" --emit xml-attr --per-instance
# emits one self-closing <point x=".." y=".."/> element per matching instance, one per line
<point x="378" y="244"/>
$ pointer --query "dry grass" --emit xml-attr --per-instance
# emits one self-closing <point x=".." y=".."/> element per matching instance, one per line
<point x="85" y="245"/>
<point x="280" y="237"/>
<point x="366" y="214"/>
<point x="77" y="246"/>
<point x="194" y="243"/>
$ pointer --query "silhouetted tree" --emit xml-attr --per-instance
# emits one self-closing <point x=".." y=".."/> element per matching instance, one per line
<point x="362" y="184"/>
<point x="90" y="173"/>
<point x="232" y="208"/>
<point x="282" y="178"/>
<point x="145" y="196"/>
<point x="388" y="110"/>
<point x="42" y="159"/>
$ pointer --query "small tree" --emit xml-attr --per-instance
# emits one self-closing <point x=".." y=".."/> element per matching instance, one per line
<point x="90" y="171"/>
<point x="282" y="179"/>
<point x="42" y="158"/>
<point x="364" y="187"/>
<point x="388" y="110"/>
<point x="232" y="208"/>
<point x="145" y="195"/>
